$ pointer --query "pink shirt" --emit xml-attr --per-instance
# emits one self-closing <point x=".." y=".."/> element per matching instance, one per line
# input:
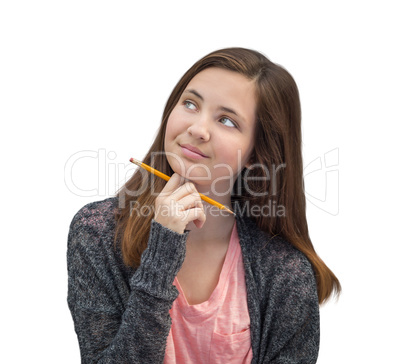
<point x="218" y="330"/>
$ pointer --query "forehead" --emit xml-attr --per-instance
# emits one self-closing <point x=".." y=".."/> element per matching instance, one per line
<point x="223" y="79"/>
<point x="226" y="88"/>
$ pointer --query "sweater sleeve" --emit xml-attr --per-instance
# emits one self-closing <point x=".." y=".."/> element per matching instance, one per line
<point x="108" y="329"/>
<point x="293" y="314"/>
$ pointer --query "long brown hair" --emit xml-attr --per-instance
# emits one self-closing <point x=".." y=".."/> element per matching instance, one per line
<point x="278" y="144"/>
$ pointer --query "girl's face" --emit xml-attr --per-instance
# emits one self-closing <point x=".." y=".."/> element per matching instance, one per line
<point x="210" y="132"/>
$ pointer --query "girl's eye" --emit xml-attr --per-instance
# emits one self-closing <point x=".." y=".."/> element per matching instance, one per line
<point x="226" y="121"/>
<point x="189" y="105"/>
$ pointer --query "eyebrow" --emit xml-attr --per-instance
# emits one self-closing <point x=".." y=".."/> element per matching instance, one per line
<point x="223" y="108"/>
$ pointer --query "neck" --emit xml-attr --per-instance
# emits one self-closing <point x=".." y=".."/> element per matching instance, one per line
<point x="219" y="223"/>
<point x="217" y="227"/>
<point x="219" y="193"/>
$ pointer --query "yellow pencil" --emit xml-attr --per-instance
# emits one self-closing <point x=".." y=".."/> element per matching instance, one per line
<point x="167" y="178"/>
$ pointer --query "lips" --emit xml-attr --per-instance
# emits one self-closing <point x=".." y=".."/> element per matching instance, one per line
<point x="192" y="150"/>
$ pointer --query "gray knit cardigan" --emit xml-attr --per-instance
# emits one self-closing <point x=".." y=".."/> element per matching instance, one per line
<point x="121" y="315"/>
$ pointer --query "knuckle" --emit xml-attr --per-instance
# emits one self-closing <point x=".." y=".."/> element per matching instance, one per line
<point x="190" y="186"/>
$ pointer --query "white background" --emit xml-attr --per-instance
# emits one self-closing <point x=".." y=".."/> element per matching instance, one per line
<point x="94" y="76"/>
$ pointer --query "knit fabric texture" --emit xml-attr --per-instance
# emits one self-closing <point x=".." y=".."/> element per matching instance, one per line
<point x="121" y="314"/>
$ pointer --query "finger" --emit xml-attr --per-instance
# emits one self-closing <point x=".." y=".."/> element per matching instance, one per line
<point x="189" y="201"/>
<point x="184" y="190"/>
<point x="197" y="216"/>
<point x="199" y="224"/>
<point x="173" y="184"/>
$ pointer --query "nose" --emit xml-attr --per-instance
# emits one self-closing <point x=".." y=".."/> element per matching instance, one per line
<point x="199" y="129"/>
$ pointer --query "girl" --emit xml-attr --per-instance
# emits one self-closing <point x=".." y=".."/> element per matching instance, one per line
<point x="158" y="276"/>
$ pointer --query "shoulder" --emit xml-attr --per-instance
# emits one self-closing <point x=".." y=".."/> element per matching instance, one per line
<point x="273" y="259"/>
<point x="93" y="221"/>
<point x="258" y="242"/>
<point x="95" y="215"/>
<point x="91" y="238"/>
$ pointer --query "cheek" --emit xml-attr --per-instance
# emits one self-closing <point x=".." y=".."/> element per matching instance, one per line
<point x="236" y="157"/>
<point x="174" y="125"/>
<point x="246" y="148"/>
<point x="168" y="132"/>
<point x="227" y="160"/>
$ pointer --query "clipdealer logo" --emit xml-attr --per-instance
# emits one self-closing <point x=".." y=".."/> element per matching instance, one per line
<point x="321" y="177"/>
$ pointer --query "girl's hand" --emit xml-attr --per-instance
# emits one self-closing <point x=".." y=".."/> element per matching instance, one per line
<point x="178" y="204"/>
